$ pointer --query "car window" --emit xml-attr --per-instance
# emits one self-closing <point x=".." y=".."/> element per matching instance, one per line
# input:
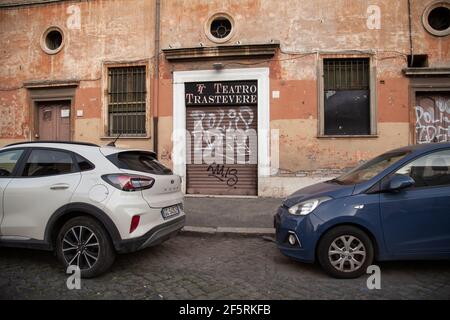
<point x="8" y="161"/>
<point x="138" y="161"/>
<point x="370" y="169"/>
<point x="83" y="164"/>
<point x="430" y="170"/>
<point x="47" y="163"/>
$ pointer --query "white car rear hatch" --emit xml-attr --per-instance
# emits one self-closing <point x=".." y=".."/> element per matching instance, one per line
<point x="166" y="189"/>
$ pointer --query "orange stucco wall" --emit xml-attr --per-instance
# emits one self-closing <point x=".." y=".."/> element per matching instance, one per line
<point x="109" y="32"/>
<point x="123" y="31"/>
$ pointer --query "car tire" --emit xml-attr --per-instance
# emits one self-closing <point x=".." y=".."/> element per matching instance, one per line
<point x="345" y="252"/>
<point x="87" y="238"/>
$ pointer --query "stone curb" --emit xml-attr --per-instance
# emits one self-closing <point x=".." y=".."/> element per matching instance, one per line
<point x="192" y="230"/>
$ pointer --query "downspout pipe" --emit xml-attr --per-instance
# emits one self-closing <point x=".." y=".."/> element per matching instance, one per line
<point x="411" y="49"/>
<point x="156" y="77"/>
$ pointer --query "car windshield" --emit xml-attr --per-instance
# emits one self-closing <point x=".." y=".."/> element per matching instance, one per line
<point x="370" y="169"/>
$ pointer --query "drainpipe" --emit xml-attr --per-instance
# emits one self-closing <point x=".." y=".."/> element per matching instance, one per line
<point x="411" y="51"/>
<point x="156" y="78"/>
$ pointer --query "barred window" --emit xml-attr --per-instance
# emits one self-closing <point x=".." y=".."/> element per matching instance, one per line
<point x="126" y="101"/>
<point x="346" y="96"/>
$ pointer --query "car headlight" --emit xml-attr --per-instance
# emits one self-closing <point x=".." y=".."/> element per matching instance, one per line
<point x="306" y="207"/>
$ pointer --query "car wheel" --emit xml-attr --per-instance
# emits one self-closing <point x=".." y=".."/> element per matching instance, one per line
<point x="345" y="252"/>
<point x="84" y="242"/>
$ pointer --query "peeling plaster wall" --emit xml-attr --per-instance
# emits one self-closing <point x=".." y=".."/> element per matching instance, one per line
<point x="123" y="30"/>
<point x="313" y="28"/>
<point x="13" y="115"/>
<point x="305" y="25"/>
<point x="108" y="31"/>
<point x="300" y="152"/>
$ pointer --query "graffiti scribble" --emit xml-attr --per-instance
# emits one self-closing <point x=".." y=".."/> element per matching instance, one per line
<point x="224" y="174"/>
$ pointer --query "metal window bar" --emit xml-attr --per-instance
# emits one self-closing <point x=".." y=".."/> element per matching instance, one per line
<point x="346" y="74"/>
<point x="346" y="96"/>
<point x="127" y="101"/>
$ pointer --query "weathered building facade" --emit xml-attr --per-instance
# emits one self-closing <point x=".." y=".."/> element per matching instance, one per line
<point x="318" y="85"/>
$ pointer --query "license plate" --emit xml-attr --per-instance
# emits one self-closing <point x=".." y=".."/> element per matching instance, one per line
<point x="170" y="212"/>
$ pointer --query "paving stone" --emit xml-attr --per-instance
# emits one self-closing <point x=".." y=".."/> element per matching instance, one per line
<point x="188" y="267"/>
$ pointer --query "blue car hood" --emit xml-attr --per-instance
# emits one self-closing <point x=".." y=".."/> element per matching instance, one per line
<point x="321" y="189"/>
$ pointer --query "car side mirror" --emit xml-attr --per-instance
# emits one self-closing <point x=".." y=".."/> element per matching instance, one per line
<point x="399" y="182"/>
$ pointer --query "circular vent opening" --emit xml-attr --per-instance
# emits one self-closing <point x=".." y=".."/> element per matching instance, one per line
<point x="436" y="18"/>
<point x="220" y="27"/>
<point x="439" y="18"/>
<point x="52" y="40"/>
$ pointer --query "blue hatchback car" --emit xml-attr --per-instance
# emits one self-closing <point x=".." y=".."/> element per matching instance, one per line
<point x="393" y="207"/>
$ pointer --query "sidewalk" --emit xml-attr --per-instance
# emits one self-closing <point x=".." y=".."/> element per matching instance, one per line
<point x="246" y="216"/>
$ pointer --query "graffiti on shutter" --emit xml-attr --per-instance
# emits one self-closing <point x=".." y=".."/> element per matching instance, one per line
<point x="221" y="120"/>
<point x="432" y="117"/>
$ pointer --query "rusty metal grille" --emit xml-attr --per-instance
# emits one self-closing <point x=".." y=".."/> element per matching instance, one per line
<point x="127" y="101"/>
<point x="346" y="74"/>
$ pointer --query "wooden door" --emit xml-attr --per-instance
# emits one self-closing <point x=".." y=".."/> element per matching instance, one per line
<point x="54" y="121"/>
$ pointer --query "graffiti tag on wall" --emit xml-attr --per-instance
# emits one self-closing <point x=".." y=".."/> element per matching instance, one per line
<point x="433" y="119"/>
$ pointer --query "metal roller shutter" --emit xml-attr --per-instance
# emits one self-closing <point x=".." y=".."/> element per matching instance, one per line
<point x="432" y="117"/>
<point x="233" y="173"/>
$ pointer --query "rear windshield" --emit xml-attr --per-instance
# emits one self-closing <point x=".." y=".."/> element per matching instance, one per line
<point x="138" y="161"/>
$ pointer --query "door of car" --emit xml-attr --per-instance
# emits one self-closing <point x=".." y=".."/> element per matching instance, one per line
<point x="47" y="181"/>
<point x="8" y="162"/>
<point x="416" y="220"/>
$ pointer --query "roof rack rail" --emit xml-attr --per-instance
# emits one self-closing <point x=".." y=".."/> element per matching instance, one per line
<point x="50" y="141"/>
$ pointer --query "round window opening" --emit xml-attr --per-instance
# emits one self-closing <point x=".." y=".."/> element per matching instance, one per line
<point x="52" y="40"/>
<point x="439" y="18"/>
<point x="219" y="28"/>
<point x="436" y="18"/>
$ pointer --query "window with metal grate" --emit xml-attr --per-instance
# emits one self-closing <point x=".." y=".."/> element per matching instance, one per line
<point x="346" y="96"/>
<point x="127" y="101"/>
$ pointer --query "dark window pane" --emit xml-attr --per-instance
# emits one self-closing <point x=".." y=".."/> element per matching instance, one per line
<point x="138" y="161"/>
<point x="220" y="27"/>
<point x="83" y="164"/>
<point x="347" y="112"/>
<point x="127" y="100"/>
<point x="8" y="161"/>
<point x="347" y="96"/>
<point x="429" y="171"/>
<point x="48" y="162"/>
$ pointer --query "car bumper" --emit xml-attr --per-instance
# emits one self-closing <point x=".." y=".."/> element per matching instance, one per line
<point x="153" y="237"/>
<point x="303" y="228"/>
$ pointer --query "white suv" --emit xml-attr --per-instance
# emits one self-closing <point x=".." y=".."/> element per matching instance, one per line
<point x="86" y="202"/>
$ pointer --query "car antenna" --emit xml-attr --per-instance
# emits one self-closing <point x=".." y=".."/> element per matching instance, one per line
<point x="113" y="143"/>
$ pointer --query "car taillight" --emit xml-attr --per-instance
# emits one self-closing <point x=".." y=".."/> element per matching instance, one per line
<point x="134" y="223"/>
<point x="129" y="182"/>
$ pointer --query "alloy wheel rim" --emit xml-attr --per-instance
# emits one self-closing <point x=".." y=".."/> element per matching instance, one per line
<point x="347" y="253"/>
<point x="80" y="247"/>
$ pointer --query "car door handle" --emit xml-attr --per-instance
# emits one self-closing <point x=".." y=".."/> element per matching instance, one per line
<point x="61" y="186"/>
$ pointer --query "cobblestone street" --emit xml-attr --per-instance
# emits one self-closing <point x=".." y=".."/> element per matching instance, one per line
<point x="191" y="267"/>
